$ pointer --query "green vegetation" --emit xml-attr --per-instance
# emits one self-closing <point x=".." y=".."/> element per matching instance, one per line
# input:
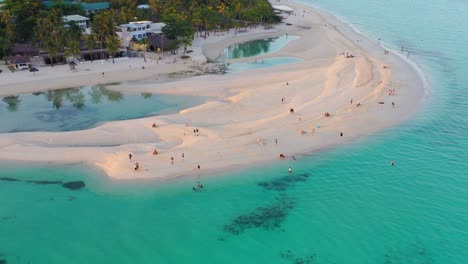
<point x="31" y="21"/>
<point x="184" y="17"/>
<point x="49" y="34"/>
<point x="7" y="32"/>
<point x="25" y="15"/>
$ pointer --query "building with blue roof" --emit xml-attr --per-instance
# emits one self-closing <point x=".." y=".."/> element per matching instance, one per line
<point x="89" y="8"/>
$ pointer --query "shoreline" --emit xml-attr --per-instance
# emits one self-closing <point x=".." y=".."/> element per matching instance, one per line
<point x="242" y="151"/>
<point x="416" y="67"/>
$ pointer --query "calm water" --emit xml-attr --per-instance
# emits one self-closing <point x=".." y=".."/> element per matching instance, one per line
<point x="257" y="47"/>
<point x="81" y="108"/>
<point x="261" y="64"/>
<point x="345" y="205"/>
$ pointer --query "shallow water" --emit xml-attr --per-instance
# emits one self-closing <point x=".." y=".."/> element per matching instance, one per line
<point x="257" y="47"/>
<point x="85" y="107"/>
<point x="345" y="205"/>
<point x="261" y="64"/>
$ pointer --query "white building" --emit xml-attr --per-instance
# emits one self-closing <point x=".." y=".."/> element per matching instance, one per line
<point x="137" y="31"/>
<point x="156" y="28"/>
<point x="283" y="8"/>
<point x="140" y="6"/>
<point x="81" y="21"/>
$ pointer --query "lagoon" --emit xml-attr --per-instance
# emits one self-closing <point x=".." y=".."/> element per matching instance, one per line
<point x="82" y="108"/>
<point x="257" y="47"/>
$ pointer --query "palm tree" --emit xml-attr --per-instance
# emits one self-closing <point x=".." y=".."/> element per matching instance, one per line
<point x="91" y="40"/>
<point x="112" y="45"/>
<point x="156" y="6"/>
<point x="72" y="40"/>
<point x="144" y="42"/>
<point x="7" y="32"/>
<point x="49" y="31"/>
<point x="104" y="26"/>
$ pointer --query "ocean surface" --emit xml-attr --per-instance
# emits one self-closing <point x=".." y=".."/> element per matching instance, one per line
<point x="345" y="205"/>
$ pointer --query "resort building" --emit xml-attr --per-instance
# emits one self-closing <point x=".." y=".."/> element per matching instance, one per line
<point x="81" y="21"/>
<point x="92" y="8"/>
<point x="283" y="9"/>
<point x="25" y="49"/>
<point x="138" y="30"/>
<point x="159" y="43"/>
<point x="20" y="63"/>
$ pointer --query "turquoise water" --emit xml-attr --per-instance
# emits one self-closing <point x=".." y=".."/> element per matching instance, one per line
<point x="345" y="205"/>
<point x="261" y="64"/>
<point x="257" y="47"/>
<point x="81" y="108"/>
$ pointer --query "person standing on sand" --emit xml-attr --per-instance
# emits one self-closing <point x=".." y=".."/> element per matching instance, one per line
<point x="183" y="156"/>
<point x="172" y="160"/>
<point x="351" y="101"/>
<point x="291" y="111"/>
<point x="341" y="134"/>
<point x="276" y="141"/>
<point x="130" y="156"/>
<point x="282" y="100"/>
<point x="300" y="118"/>
<point x="393" y="104"/>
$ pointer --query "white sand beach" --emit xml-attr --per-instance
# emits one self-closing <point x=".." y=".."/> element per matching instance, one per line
<point x="240" y="126"/>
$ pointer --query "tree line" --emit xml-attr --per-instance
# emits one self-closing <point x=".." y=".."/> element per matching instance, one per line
<point x="31" y="21"/>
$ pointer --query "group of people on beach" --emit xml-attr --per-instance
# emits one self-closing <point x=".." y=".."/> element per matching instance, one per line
<point x="196" y="132"/>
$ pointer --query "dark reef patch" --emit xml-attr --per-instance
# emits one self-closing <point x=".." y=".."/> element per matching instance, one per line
<point x="3" y="261"/>
<point x="6" y="218"/>
<point x="294" y="258"/>
<point x="268" y="217"/>
<point x="281" y="184"/>
<point x="8" y="179"/>
<point x="44" y="182"/>
<point x="413" y="253"/>
<point x="74" y="185"/>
